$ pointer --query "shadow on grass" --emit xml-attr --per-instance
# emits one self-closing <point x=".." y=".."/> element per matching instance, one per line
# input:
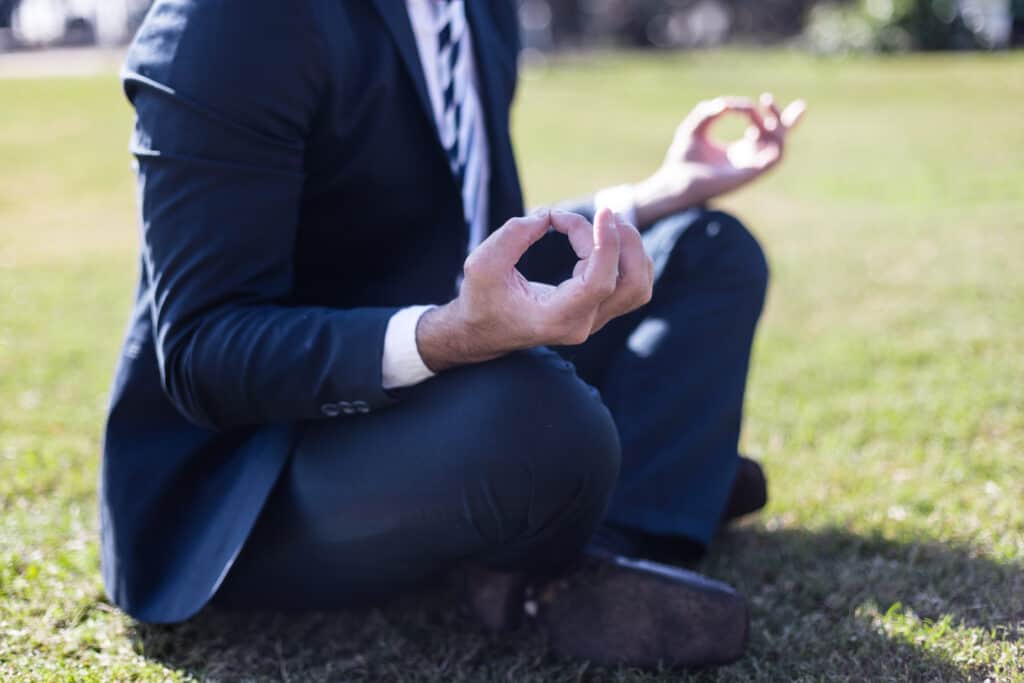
<point x="819" y="602"/>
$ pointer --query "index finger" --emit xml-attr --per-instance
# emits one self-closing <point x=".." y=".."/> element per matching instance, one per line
<point x="706" y="113"/>
<point x="506" y="245"/>
<point x="576" y="228"/>
<point x="598" y="280"/>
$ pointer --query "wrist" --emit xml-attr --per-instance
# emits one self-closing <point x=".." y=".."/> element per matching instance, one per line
<point x="435" y="335"/>
<point x="446" y="339"/>
<point x="660" y="195"/>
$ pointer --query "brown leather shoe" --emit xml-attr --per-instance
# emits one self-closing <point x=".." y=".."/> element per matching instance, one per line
<point x="616" y="610"/>
<point x="494" y="599"/>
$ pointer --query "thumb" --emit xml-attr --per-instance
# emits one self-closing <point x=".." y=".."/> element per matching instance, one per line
<point x="603" y="264"/>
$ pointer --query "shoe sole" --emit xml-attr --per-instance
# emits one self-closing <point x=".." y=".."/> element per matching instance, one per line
<point x="646" y="614"/>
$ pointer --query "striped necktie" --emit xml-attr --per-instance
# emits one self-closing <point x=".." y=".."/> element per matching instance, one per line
<point x="458" y="118"/>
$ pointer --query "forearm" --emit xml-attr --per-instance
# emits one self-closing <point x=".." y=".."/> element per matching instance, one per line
<point x="658" y="197"/>
<point x="265" y="364"/>
<point x="643" y="203"/>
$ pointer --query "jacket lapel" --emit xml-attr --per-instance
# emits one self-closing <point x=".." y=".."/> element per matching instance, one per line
<point x="396" y="17"/>
<point x="489" y="70"/>
<point x="487" y="67"/>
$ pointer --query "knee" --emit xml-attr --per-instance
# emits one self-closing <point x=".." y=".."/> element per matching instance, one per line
<point x="742" y="261"/>
<point x="557" y="417"/>
<point x="551" y="442"/>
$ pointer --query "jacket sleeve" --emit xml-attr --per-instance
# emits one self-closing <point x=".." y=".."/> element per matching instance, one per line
<point x="584" y="206"/>
<point x="225" y="93"/>
<point x="620" y="199"/>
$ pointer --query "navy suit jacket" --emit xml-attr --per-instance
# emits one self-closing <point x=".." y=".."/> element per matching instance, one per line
<point x="293" y="194"/>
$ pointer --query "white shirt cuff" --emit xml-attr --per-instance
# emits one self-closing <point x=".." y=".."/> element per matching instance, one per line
<point x="620" y="199"/>
<point x="402" y="364"/>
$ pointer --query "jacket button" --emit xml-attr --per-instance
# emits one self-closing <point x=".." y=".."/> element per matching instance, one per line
<point x="330" y="409"/>
<point x="346" y="407"/>
<point x="362" y="407"/>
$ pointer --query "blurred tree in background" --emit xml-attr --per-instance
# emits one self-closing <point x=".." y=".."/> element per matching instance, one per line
<point x="821" y="25"/>
<point x="897" y="25"/>
<point x="660" y="23"/>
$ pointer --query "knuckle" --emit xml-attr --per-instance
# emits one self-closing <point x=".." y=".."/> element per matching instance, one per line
<point x="636" y="300"/>
<point x="571" y="220"/>
<point x="472" y="268"/>
<point x="562" y="329"/>
<point x="605" y="288"/>
<point x="639" y="290"/>
<point x="639" y="287"/>
<point x="647" y="295"/>
<point x="577" y="335"/>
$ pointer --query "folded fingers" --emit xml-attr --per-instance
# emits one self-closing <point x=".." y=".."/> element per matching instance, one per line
<point x="707" y="112"/>
<point x="577" y="228"/>
<point x="505" y="246"/>
<point x="636" y="277"/>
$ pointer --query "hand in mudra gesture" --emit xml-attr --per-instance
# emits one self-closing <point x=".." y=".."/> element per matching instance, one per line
<point x="698" y="167"/>
<point x="498" y="310"/>
<point x="720" y="167"/>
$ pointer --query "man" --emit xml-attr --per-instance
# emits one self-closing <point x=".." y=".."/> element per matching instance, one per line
<point x="293" y="426"/>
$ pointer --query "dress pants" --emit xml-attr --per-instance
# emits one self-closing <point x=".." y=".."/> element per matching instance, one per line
<point x="508" y="464"/>
<point x="673" y="374"/>
<point x="512" y="464"/>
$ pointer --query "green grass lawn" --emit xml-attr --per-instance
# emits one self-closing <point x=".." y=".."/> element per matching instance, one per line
<point x="886" y="397"/>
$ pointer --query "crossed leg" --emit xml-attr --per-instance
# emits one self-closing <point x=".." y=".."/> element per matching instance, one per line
<point x="673" y="374"/>
<point x="507" y="464"/>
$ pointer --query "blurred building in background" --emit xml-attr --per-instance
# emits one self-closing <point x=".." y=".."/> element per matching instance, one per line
<point x="820" y="25"/>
